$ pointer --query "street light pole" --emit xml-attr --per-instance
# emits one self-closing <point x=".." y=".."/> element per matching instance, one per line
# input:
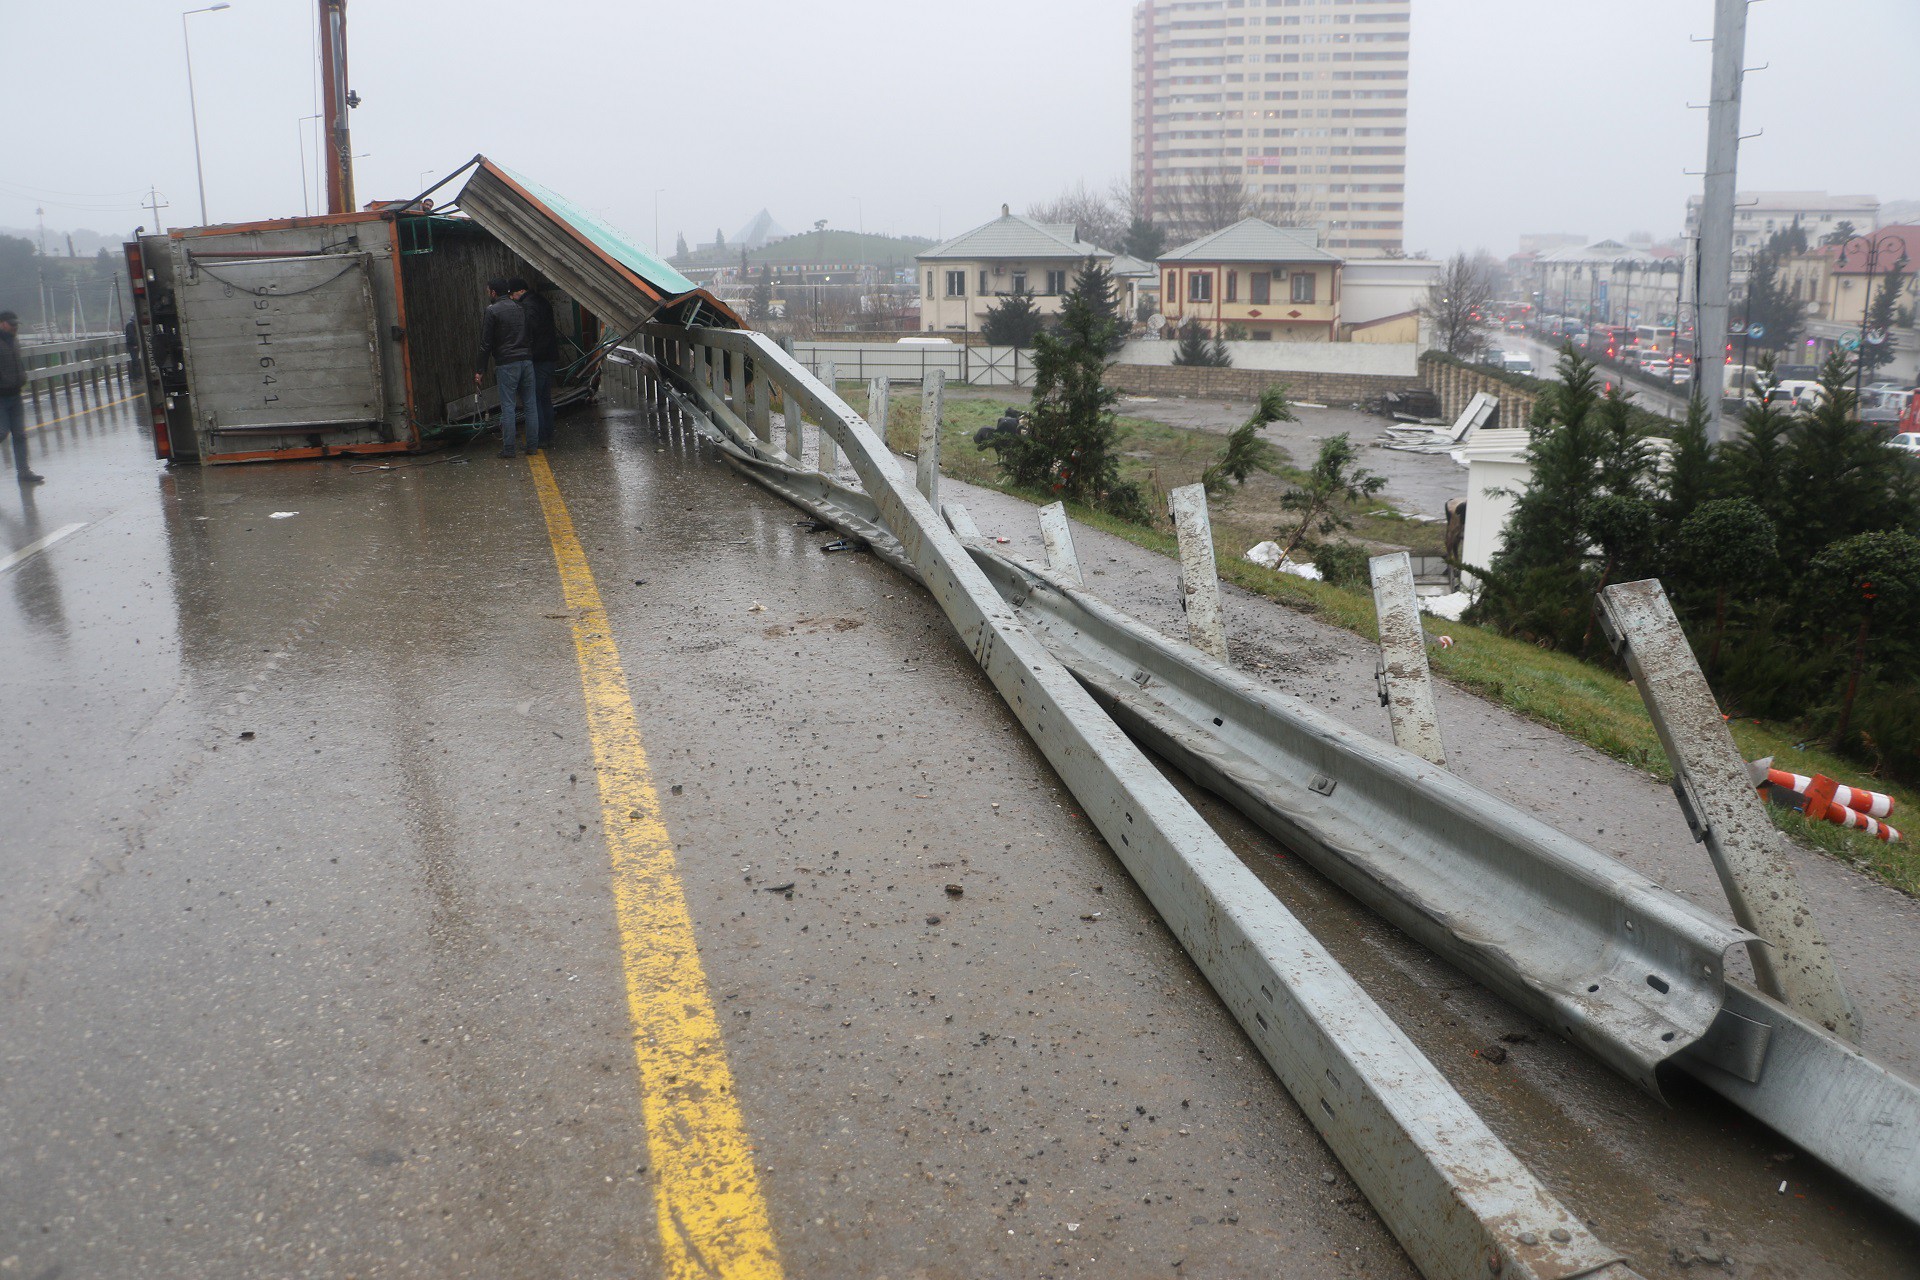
<point x="193" y="105"/>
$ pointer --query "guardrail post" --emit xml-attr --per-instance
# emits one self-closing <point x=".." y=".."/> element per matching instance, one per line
<point x="1199" y="577"/>
<point x="1058" y="535"/>
<point x="1711" y="782"/>
<point x="933" y="404"/>
<point x="879" y="404"/>
<point x="829" y="452"/>
<point x="738" y="391"/>
<point x="1406" y="682"/>
<point x="761" y="392"/>
<point x="790" y="403"/>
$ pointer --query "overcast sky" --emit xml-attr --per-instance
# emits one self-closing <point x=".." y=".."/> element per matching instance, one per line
<point x="1526" y="115"/>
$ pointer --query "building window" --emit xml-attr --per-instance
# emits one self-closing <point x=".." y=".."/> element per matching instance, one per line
<point x="985" y="286"/>
<point x="1260" y="288"/>
<point x="1056" y="283"/>
<point x="1233" y="286"/>
<point x="1171" y="289"/>
<point x="929" y="284"/>
<point x="956" y="284"/>
<point x="1019" y="282"/>
<point x="1303" y="286"/>
<point x="1200" y="286"/>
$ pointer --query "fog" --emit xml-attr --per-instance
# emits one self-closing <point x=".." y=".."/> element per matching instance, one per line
<point x="1525" y="115"/>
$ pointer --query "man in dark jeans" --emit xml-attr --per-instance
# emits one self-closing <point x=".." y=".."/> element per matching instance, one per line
<point x="503" y="340"/>
<point x="543" y="340"/>
<point x="13" y="414"/>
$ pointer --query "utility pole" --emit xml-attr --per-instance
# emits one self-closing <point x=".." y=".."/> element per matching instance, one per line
<point x="1715" y="285"/>
<point x="337" y="100"/>
<point x="46" y="306"/>
<point x="154" y="203"/>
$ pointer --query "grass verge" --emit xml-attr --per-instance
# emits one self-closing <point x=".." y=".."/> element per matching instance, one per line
<point x="1588" y="703"/>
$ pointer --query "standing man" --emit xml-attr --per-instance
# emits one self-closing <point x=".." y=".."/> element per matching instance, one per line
<point x="543" y="340"/>
<point x="503" y="340"/>
<point x="13" y="414"/>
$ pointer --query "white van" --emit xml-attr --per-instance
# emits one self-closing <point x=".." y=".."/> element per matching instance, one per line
<point x="1800" y="393"/>
<point x="1514" y="362"/>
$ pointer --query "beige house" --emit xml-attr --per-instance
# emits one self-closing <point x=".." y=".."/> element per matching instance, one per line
<point x="1275" y="283"/>
<point x="1836" y="289"/>
<point x="963" y="279"/>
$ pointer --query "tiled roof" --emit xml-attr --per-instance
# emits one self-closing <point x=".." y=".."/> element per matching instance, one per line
<point x="1014" y="237"/>
<point x="1253" y="240"/>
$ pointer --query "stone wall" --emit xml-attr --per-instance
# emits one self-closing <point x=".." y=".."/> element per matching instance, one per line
<point x="1247" y="384"/>
<point x="1392" y="360"/>
<point x="1457" y="384"/>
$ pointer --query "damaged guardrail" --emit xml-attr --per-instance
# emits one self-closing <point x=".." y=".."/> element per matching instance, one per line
<point x="1460" y="1203"/>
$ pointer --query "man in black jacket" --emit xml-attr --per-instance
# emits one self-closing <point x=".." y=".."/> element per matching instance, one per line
<point x="13" y="414"/>
<point x="503" y="340"/>
<point x="543" y="341"/>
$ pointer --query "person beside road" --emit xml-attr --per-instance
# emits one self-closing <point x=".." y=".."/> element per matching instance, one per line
<point x="13" y="414"/>
<point x="543" y="341"/>
<point x="503" y="340"/>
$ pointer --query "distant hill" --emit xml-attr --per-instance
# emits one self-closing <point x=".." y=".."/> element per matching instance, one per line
<point x="85" y="243"/>
<point x="816" y="248"/>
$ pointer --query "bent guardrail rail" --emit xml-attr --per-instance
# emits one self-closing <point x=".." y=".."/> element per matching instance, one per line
<point x="1459" y="1201"/>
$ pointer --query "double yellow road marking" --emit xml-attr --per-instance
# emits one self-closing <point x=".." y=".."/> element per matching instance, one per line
<point x="711" y="1213"/>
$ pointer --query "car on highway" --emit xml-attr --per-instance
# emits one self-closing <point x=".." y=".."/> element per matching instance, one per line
<point x="1906" y="442"/>
<point x="1516" y="326"/>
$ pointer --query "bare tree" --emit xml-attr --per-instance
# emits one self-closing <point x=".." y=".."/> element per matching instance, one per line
<point x="1457" y="301"/>
<point x="1209" y="200"/>
<point x="1096" y="217"/>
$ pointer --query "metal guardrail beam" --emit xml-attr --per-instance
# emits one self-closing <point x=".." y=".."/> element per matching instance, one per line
<point x="1601" y="954"/>
<point x="1459" y="1201"/>
<point x="1855" y="1114"/>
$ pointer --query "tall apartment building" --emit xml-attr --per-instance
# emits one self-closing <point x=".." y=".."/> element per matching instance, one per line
<point x="1303" y="100"/>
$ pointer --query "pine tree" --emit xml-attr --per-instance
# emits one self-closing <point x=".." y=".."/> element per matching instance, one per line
<point x="1770" y="303"/>
<point x="760" y="308"/>
<point x="1144" y="241"/>
<point x="1333" y="484"/>
<point x="1068" y="446"/>
<point x="719" y="240"/>
<point x="1013" y="321"/>
<point x="680" y="250"/>
<point x="1875" y="577"/>
<point x="1720" y="545"/>
<point x="1840" y="478"/>
<point x="1756" y="462"/>
<point x="1881" y="317"/>
<point x="1245" y="452"/>
<point x="1095" y="286"/>
<point x="1693" y="476"/>
<point x="1199" y="350"/>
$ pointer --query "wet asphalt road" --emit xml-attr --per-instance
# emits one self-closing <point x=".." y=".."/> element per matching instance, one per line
<point x="345" y="997"/>
<point x="308" y="962"/>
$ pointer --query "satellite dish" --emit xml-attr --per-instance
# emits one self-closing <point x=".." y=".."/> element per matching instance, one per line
<point x="1156" y="322"/>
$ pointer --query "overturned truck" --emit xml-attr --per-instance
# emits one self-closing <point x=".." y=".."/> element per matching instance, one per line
<point x="355" y="334"/>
